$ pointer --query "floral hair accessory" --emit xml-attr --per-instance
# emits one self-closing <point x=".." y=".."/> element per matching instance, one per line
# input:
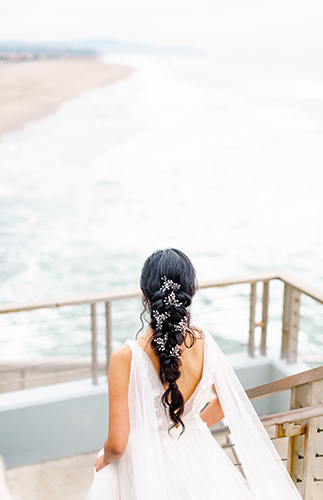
<point x="169" y="285"/>
<point x="180" y="327"/>
<point x="160" y="317"/>
<point x="171" y="300"/>
<point x="175" y="352"/>
<point x="161" y="342"/>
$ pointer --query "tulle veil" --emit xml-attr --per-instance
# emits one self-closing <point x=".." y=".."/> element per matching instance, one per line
<point x="267" y="476"/>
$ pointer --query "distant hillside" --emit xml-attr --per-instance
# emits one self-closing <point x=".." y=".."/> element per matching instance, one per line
<point x="48" y="48"/>
<point x="86" y="47"/>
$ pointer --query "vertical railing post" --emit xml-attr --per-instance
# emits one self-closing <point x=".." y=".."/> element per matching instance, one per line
<point x="94" y="344"/>
<point x="108" y="332"/>
<point x="286" y="316"/>
<point x="264" y="320"/>
<point x="293" y="326"/>
<point x="305" y="457"/>
<point x="290" y="323"/>
<point x="252" y="319"/>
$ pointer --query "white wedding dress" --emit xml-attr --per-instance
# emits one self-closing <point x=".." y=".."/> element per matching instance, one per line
<point x="162" y="466"/>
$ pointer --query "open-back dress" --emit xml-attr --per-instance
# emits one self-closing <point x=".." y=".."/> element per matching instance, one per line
<point x="162" y="465"/>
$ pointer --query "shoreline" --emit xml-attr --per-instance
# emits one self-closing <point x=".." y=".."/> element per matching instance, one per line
<point x="32" y="90"/>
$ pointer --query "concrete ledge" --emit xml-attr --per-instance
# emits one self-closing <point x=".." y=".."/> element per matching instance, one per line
<point x="51" y="422"/>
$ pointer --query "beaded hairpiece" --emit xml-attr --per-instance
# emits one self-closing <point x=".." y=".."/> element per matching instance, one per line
<point x="171" y="287"/>
<point x="160" y="317"/>
<point x="171" y="300"/>
<point x="169" y="284"/>
<point x="175" y="351"/>
<point x="161" y="342"/>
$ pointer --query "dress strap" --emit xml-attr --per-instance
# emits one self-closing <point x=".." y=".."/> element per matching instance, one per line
<point x="130" y="343"/>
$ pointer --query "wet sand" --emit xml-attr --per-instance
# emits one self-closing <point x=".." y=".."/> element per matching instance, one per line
<point x="32" y="90"/>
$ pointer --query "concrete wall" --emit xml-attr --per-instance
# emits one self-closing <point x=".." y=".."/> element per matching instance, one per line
<point x="260" y="370"/>
<point x="53" y="421"/>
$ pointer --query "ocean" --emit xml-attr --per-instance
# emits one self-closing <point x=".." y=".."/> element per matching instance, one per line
<point x="220" y="160"/>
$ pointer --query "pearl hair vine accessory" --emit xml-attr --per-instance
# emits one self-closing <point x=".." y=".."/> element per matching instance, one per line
<point x="171" y="300"/>
<point x="169" y="285"/>
<point x="160" y="317"/>
<point x="161" y="342"/>
<point x="180" y="327"/>
<point x="175" y="352"/>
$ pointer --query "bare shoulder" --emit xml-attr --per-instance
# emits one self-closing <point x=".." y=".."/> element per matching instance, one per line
<point x="120" y="360"/>
<point x="122" y="354"/>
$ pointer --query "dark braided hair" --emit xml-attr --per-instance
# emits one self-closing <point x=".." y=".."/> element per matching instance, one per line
<point x="168" y="283"/>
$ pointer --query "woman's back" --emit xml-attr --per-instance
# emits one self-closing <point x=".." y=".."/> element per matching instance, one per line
<point x="192" y="362"/>
<point x="162" y="463"/>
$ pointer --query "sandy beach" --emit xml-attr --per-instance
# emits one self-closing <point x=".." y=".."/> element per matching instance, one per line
<point x="31" y="90"/>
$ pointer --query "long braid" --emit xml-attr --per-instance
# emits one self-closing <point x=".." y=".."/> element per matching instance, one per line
<point x="169" y="295"/>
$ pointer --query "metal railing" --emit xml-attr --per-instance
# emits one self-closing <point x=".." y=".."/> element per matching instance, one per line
<point x="100" y="352"/>
<point x="302" y="425"/>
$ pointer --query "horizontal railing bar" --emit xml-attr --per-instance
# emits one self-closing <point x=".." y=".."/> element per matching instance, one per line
<point x="301" y="285"/>
<point x="122" y="324"/>
<point x="121" y="294"/>
<point x="45" y="320"/>
<point x="223" y="431"/>
<point x="306" y="305"/>
<point x="240" y="280"/>
<point x="282" y="459"/>
<point x="311" y="322"/>
<point x="280" y="418"/>
<point x="72" y="300"/>
<point x="111" y="295"/>
<point x="233" y="347"/>
<point x="216" y="312"/>
<point x="49" y="363"/>
<point x="49" y="375"/>
<point x="37" y="335"/>
<point x="286" y="383"/>
<point x="294" y="415"/>
<point x="199" y="299"/>
<point x="224" y="309"/>
<point x="57" y="347"/>
<point x="311" y="349"/>
<point x="232" y="445"/>
<point x="216" y="323"/>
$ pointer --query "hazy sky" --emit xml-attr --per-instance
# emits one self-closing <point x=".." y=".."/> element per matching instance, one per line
<point x="238" y="25"/>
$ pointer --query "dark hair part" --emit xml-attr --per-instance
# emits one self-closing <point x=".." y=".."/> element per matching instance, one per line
<point x="175" y="266"/>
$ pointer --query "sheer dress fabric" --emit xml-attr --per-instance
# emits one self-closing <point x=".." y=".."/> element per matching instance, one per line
<point x="162" y="466"/>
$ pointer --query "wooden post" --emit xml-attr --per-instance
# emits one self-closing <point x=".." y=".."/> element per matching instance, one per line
<point x="293" y="326"/>
<point x="108" y="332"/>
<point x="290" y="323"/>
<point x="305" y="455"/>
<point x="286" y="315"/>
<point x="94" y="344"/>
<point x="253" y="298"/>
<point x="265" y="298"/>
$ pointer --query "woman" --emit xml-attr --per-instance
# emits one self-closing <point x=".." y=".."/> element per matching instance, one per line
<point x="159" y="446"/>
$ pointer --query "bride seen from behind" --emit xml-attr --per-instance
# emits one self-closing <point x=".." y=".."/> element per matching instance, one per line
<point x="159" y="445"/>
